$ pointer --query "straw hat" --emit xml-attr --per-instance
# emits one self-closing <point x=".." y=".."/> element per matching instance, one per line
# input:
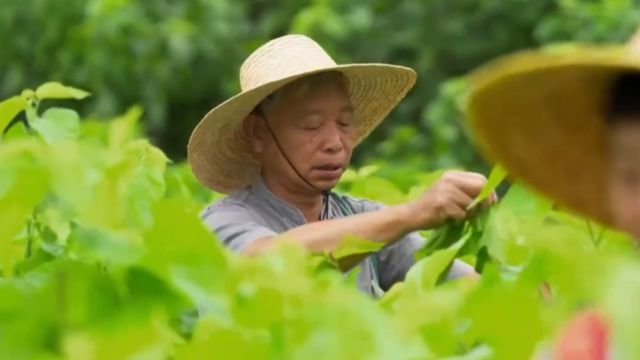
<point x="219" y="151"/>
<point x="541" y="114"/>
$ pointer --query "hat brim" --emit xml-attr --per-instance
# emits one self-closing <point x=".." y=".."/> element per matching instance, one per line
<point x="541" y="114"/>
<point x="219" y="151"/>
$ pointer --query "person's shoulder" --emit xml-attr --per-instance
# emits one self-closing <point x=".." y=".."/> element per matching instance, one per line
<point x="236" y="201"/>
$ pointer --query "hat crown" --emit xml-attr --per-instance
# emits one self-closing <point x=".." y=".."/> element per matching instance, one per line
<point x="283" y="57"/>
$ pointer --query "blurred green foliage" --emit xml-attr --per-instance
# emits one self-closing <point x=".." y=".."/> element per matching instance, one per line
<point x="177" y="59"/>
<point x="103" y="256"/>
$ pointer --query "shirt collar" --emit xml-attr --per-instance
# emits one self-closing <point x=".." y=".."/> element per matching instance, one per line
<point x="286" y="210"/>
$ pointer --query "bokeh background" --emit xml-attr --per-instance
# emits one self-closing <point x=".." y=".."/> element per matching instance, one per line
<point x="177" y="59"/>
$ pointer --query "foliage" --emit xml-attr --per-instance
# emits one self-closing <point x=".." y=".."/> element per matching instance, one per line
<point x="179" y="58"/>
<point x="103" y="256"/>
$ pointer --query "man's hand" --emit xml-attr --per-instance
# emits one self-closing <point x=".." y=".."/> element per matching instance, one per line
<point x="448" y="199"/>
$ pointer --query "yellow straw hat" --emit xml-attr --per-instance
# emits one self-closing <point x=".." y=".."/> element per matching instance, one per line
<point x="219" y="150"/>
<point x="541" y="114"/>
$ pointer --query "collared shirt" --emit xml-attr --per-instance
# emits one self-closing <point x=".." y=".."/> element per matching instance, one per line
<point x="255" y="213"/>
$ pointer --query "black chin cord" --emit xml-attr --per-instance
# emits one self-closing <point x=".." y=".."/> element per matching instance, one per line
<point x="325" y="193"/>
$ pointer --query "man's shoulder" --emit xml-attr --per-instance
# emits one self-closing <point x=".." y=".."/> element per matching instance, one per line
<point x="236" y="201"/>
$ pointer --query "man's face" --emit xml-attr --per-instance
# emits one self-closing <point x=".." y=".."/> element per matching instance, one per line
<point x="624" y="175"/>
<point x="316" y="131"/>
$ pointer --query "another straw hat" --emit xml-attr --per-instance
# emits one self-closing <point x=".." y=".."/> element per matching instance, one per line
<point x="541" y="114"/>
<point x="219" y="151"/>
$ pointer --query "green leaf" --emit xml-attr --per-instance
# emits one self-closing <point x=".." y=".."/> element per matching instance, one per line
<point x="352" y="245"/>
<point x="505" y="236"/>
<point x="106" y="246"/>
<point x="122" y="129"/>
<point x="57" y="124"/>
<point x="425" y="274"/>
<point x="378" y="189"/>
<point x="442" y="238"/>
<point x="55" y="90"/>
<point x="9" y="108"/>
<point x="146" y="184"/>
<point x="181" y="249"/>
<point x="54" y="226"/>
<point x="392" y="296"/>
<point x="493" y="315"/>
<point x="621" y="313"/>
<point x="475" y="229"/>
<point x="17" y="131"/>
<point x="482" y="352"/>
<point x="348" y="176"/>
<point x="367" y="171"/>
<point x="127" y="335"/>
<point x="522" y="200"/>
<point x="27" y="94"/>
<point x="498" y="174"/>
<point x="131" y="185"/>
<point x="235" y="343"/>
<point x="24" y="182"/>
<point x="481" y="259"/>
<point x="27" y="315"/>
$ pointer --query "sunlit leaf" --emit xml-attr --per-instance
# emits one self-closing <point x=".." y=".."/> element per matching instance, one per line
<point x="352" y="245"/>
<point x="24" y="182"/>
<point x="425" y="274"/>
<point x="378" y="189"/>
<point x="110" y="247"/>
<point x="55" y="90"/>
<point x="9" y="108"/>
<point x="57" y="124"/>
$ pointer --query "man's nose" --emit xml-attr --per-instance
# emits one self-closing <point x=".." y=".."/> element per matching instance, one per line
<point x="332" y="139"/>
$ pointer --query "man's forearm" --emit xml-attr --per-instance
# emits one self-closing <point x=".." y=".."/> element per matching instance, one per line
<point x="383" y="226"/>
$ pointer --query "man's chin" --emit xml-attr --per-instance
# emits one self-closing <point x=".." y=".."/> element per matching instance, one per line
<point x="325" y="184"/>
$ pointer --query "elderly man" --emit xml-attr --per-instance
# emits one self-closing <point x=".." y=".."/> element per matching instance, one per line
<point x="282" y="144"/>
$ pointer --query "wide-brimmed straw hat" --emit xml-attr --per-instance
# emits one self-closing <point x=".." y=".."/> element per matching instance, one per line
<point x="541" y="114"/>
<point x="219" y="151"/>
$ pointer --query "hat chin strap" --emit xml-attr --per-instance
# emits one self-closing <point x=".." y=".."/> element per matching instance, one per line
<point x="325" y="193"/>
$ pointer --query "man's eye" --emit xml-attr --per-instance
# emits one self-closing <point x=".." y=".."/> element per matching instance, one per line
<point x="311" y="126"/>
<point x="311" y="123"/>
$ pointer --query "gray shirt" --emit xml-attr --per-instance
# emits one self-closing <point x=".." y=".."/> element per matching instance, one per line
<point x="254" y="213"/>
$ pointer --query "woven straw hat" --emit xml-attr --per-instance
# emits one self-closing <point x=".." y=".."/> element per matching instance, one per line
<point x="541" y="114"/>
<point x="219" y="151"/>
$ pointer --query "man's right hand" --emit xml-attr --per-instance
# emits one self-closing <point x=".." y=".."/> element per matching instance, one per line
<point x="448" y="199"/>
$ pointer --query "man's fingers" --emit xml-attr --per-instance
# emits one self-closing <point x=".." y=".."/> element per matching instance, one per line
<point x="457" y="206"/>
<point x="450" y="197"/>
<point x="492" y="199"/>
<point x="470" y="183"/>
<point x="459" y="197"/>
<point x="455" y="212"/>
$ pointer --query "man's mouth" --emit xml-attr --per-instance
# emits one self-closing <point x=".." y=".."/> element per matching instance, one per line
<point x="328" y="171"/>
<point x="329" y="167"/>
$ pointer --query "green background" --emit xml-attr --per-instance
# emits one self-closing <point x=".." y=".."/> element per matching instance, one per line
<point x="180" y="58"/>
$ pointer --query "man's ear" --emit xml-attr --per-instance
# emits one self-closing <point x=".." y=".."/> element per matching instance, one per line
<point x="253" y="127"/>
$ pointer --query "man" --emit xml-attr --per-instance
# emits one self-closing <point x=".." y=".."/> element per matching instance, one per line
<point x="282" y="144"/>
<point x="568" y="123"/>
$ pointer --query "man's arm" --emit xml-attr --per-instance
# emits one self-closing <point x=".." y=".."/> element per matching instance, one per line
<point x="381" y="226"/>
<point x="447" y="199"/>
